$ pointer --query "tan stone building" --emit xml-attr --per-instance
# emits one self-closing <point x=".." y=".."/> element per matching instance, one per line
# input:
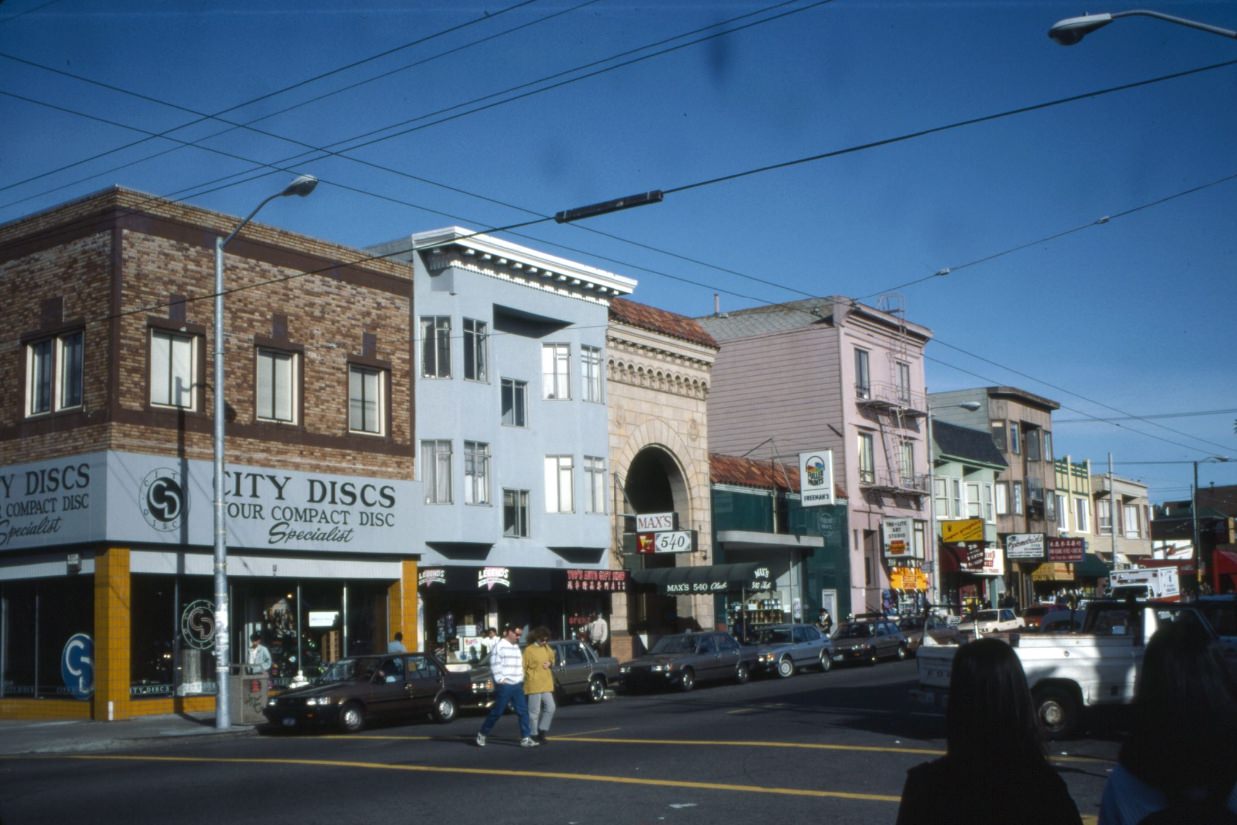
<point x="658" y="380"/>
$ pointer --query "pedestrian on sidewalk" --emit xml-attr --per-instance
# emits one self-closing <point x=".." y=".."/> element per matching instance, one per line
<point x="507" y="669"/>
<point x="539" y="682"/>
<point x="259" y="656"/>
<point x="994" y="768"/>
<point x="598" y="633"/>
<point x="396" y="645"/>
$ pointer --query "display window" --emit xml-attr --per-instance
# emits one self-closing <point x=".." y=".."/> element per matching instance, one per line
<point x="37" y="620"/>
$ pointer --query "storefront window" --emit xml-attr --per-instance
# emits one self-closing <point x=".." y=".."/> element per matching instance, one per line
<point x="37" y="618"/>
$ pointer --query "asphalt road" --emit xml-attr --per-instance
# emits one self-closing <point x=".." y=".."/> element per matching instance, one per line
<point x="813" y="748"/>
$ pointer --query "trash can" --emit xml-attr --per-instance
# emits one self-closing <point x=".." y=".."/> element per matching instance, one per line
<point x="247" y="689"/>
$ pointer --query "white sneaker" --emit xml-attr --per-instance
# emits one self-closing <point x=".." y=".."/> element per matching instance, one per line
<point x="529" y="742"/>
<point x="480" y="740"/>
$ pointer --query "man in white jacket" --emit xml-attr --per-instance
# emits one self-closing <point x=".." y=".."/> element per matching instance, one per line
<point x="507" y="668"/>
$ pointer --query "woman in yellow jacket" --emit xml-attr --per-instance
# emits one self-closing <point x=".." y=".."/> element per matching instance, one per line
<point x="539" y="682"/>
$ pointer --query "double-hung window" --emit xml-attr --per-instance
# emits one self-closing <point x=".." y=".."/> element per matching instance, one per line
<point x="515" y="402"/>
<point x="973" y="504"/>
<point x="515" y="513"/>
<point x="906" y="462"/>
<point x="559" y="472"/>
<point x="555" y="371"/>
<point x="955" y="498"/>
<point x="1017" y="496"/>
<point x="1002" y="498"/>
<point x="1015" y="442"/>
<point x="867" y="459"/>
<point x="1103" y="516"/>
<point x="940" y="498"/>
<point x="436" y="346"/>
<point x="436" y="471"/>
<point x="863" y="377"/>
<point x="173" y="364"/>
<point x="904" y="383"/>
<point x="989" y="516"/>
<point x="276" y="390"/>
<point x="476" y="339"/>
<point x="54" y="367"/>
<point x="1082" y="515"/>
<point x="592" y="379"/>
<point x="595" y="479"/>
<point x="476" y="472"/>
<point x="366" y="399"/>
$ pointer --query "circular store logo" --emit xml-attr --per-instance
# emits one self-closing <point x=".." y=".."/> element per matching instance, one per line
<point x="197" y="624"/>
<point x="162" y="499"/>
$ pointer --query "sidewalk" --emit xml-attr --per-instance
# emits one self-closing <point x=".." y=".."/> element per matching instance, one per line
<point x="78" y="736"/>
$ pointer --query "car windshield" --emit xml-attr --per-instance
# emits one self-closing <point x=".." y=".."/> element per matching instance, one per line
<point x="674" y="644"/>
<point x="773" y="635"/>
<point x="855" y="630"/>
<point x="347" y="670"/>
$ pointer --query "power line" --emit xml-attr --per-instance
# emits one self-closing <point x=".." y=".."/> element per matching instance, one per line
<point x="1191" y="414"/>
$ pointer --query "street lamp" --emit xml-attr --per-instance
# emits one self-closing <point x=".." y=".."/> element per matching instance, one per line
<point x="300" y="187"/>
<point x="1069" y="31"/>
<point x="970" y="406"/>
<point x="1198" y="554"/>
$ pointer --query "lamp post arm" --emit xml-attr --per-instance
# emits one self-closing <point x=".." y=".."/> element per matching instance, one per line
<point x="1180" y="21"/>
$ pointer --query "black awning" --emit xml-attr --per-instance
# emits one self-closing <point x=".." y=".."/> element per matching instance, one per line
<point x="705" y="578"/>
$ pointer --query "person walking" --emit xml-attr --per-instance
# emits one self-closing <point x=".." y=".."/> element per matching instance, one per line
<point x="507" y="669"/>
<point x="1179" y="764"/>
<point x="993" y="750"/>
<point x="259" y="658"/>
<point x="396" y="645"/>
<point x="539" y="683"/>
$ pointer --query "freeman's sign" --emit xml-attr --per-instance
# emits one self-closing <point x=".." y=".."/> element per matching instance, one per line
<point x="1025" y="546"/>
<point x="125" y="497"/>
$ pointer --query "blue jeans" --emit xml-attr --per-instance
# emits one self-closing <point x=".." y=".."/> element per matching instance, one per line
<point x="508" y="695"/>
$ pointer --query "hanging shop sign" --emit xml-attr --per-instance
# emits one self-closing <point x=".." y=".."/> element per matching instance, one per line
<point x="816" y="478"/>
<point x="656" y="522"/>
<point x="968" y="529"/>
<point x="1025" y="546"/>
<point x="669" y="541"/>
<point x="908" y="578"/>
<point x="898" y="538"/>
<point x="1066" y="549"/>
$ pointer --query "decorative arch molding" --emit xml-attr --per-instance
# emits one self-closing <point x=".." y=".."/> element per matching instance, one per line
<point x="659" y="435"/>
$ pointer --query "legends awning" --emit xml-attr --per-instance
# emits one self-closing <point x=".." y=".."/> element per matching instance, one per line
<point x="705" y="578"/>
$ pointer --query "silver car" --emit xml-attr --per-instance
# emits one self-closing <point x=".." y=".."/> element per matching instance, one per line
<point x="785" y="648"/>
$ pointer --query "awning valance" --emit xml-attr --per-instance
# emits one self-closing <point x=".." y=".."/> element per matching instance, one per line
<point x="705" y="578"/>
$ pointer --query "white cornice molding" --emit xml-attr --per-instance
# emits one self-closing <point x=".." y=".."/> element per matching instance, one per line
<point x="533" y="265"/>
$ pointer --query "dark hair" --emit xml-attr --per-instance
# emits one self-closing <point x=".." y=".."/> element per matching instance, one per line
<point x="541" y="633"/>
<point x="399" y="637"/>
<point x="1185" y="723"/>
<point x="510" y="627"/>
<point x="990" y="720"/>
<point x="255" y="637"/>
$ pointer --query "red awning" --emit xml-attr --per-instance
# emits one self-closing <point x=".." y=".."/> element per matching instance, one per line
<point x="1224" y="570"/>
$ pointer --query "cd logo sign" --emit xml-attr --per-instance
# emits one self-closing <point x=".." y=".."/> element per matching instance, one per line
<point x="162" y="499"/>
<point x="197" y="624"/>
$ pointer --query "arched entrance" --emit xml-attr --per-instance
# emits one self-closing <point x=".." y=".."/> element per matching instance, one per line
<point x="655" y="483"/>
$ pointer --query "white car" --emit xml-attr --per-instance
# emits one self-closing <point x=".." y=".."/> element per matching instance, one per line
<point x="991" y="621"/>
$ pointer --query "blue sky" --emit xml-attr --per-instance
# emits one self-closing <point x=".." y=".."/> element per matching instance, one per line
<point x="1128" y="318"/>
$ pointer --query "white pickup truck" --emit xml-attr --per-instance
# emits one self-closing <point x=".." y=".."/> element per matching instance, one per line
<point x="1071" y="671"/>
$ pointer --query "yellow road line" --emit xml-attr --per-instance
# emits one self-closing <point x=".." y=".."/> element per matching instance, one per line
<point x="488" y="772"/>
<point x="721" y="743"/>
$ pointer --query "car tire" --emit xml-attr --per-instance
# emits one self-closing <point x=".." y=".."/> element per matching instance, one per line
<point x="687" y="680"/>
<point x="826" y="661"/>
<point x="445" y="708"/>
<point x="742" y="673"/>
<point x="785" y="667"/>
<point x="597" y="689"/>
<point x="352" y="717"/>
<point x="1057" y="711"/>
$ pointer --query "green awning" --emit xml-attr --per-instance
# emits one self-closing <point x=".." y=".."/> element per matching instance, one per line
<point x="705" y="578"/>
<point x="1091" y="567"/>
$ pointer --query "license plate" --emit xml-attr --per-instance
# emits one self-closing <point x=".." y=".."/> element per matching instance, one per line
<point x="289" y="722"/>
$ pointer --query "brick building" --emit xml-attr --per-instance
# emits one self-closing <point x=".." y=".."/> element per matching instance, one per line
<point x="106" y="441"/>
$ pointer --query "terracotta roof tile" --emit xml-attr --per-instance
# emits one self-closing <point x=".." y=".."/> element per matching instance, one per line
<point x="660" y="320"/>
<point x="758" y="473"/>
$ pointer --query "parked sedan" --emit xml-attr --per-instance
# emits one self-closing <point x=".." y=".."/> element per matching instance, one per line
<point x="358" y="690"/>
<point x="869" y="641"/>
<point x="996" y="620"/>
<point x="937" y="628"/>
<point x="683" y="659"/>
<point x="580" y="673"/>
<point x="784" y="648"/>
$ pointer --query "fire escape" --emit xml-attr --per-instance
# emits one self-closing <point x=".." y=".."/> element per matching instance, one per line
<point x="893" y="406"/>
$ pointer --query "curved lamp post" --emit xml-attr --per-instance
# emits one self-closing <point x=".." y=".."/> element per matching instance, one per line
<point x="300" y="187"/>
<point x="1069" y="31"/>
